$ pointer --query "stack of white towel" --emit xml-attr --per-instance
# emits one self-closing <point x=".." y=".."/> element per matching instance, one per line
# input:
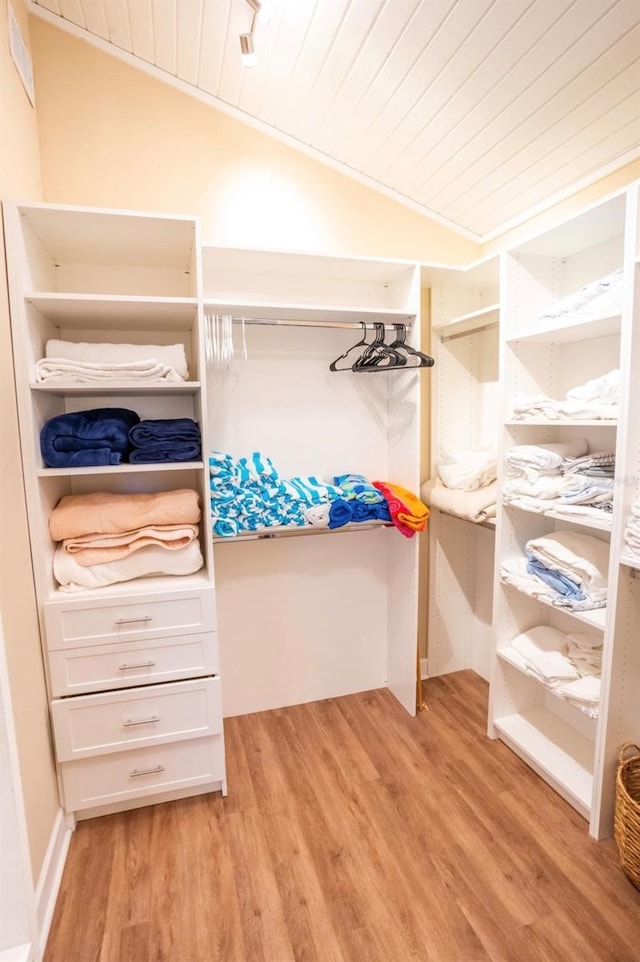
<point x="632" y="531"/>
<point x="597" y="399"/>
<point x="465" y="485"/>
<point x="600" y="298"/>
<point x="86" y="363"/>
<point x="561" y="477"/>
<point x="564" y="663"/>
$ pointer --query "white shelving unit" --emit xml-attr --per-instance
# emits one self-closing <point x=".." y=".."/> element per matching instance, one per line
<point x="574" y="753"/>
<point x="98" y="276"/>
<point x="464" y="324"/>
<point x="328" y="615"/>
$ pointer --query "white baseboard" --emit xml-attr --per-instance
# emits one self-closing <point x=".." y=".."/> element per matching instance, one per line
<point x="51" y="875"/>
<point x="423" y="669"/>
<point x="17" y="953"/>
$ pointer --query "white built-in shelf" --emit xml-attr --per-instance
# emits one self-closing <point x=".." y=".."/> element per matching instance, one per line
<point x="594" y="617"/>
<point x="584" y="521"/>
<point x="469" y="323"/>
<point x="113" y="469"/>
<point x="61" y="388"/>
<point x="554" y="749"/>
<point x="562" y="422"/>
<point x="307" y="312"/>
<point x="571" y="328"/>
<point x="290" y="531"/>
<point x="516" y="660"/>
<point x="115" y="312"/>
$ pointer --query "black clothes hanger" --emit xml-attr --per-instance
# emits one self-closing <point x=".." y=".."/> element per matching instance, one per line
<point x="377" y="354"/>
<point x="363" y="343"/>
<point x="400" y="345"/>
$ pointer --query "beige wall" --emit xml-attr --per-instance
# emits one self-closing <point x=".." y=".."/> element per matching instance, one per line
<point x="113" y="136"/>
<point x="20" y="179"/>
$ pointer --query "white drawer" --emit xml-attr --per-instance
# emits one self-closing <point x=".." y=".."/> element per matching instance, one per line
<point x="101" y="621"/>
<point x="112" y="722"/>
<point x="75" y="671"/>
<point x="106" y="779"/>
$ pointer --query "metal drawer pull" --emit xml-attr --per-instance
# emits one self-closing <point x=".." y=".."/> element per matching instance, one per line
<point x="133" y="621"/>
<point x="141" y="664"/>
<point x="146" y="771"/>
<point x="128" y="722"/>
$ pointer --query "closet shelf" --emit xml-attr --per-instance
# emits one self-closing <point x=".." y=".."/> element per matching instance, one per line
<point x="61" y="388"/>
<point x="515" y="659"/>
<point x="560" y="331"/>
<point x="581" y="520"/>
<point x="556" y="751"/>
<point x="594" y="617"/>
<point x="118" y="312"/>
<point x="629" y="560"/>
<point x="469" y="323"/>
<point x="306" y="312"/>
<point x="561" y="422"/>
<point x="115" y="469"/>
<point x="291" y="531"/>
<point x="160" y="583"/>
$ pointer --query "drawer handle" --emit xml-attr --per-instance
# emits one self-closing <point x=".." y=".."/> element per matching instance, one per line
<point x="146" y="771"/>
<point x="133" y="621"/>
<point x="128" y="722"/>
<point x="140" y="664"/>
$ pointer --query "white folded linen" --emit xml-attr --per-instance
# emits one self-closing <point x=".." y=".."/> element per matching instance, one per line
<point x="514" y="572"/>
<point x="169" y="355"/>
<point x="536" y="460"/>
<point x="579" y="557"/>
<point x="468" y="470"/>
<point x="542" y="648"/>
<point x="144" y="563"/>
<point x="597" y="399"/>
<point x="586" y="690"/>
<point x="597" y="298"/>
<point x="474" y="506"/>
<point x="545" y="488"/>
<point x="584" y="650"/>
<point x="58" y="368"/>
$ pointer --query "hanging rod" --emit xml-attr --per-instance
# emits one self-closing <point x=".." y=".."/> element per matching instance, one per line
<point x="290" y="322"/>
<point x="472" y="330"/>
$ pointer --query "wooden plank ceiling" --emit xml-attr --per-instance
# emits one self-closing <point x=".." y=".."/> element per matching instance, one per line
<point x="476" y="111"/>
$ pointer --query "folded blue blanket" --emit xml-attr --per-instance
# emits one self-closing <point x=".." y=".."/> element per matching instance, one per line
<point x="166" y="430"/>
<point x="87" y="438"/>
<point x="363" y="511"/>
<point x="162" y="452"/>
<point x="340" y="513"/>
<point x="555" y="579"/>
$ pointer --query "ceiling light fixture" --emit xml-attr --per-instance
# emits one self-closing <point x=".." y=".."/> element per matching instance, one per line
<point x="263" y="9"/>
<point x="248" y="49"/>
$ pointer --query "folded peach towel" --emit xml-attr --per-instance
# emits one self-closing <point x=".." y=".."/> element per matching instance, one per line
<point x="106" y="513"/>
<point x="407" y="511"/>
<point x="91" y="549"/>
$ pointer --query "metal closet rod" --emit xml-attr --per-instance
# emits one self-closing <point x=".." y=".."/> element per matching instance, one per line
<point x="292" y="322"/>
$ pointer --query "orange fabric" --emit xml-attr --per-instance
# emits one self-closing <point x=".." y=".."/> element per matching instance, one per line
<point x="407" y="511"/>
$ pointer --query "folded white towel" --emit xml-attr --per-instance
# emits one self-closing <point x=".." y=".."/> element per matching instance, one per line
<point x="535" y="460"/>
<point x="542" y="648"/>
<point x="58" y="368"/>
<point x="579" y="557"/>
<point x="468" y="470"/>
<point x="169" y="355"/>
<point x="585" y="690"/>
<point x="144" y="563"/>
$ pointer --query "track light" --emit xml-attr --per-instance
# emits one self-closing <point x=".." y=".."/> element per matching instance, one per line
<point x="248" y="50"/>
<point x="263" y="9"/>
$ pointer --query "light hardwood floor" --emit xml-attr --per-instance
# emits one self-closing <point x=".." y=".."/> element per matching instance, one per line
<point x="352" y="833"/>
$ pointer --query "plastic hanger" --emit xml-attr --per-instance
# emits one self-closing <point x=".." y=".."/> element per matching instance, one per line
<point x="363" y="343"/>
<point x="378" y="356"/>
<point x="399" y="345"/>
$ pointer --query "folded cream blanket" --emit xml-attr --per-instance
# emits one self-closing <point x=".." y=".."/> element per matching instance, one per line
<point x="58" y="368"/>
<point x="97" y="549"/>
<point x="145" y="563"/>
<point x="77" y="515"/>
<point x="169" y="355"/>
<point x="475" y="505"/>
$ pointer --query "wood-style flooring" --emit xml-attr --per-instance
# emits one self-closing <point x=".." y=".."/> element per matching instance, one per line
<point x="352" y="833"/>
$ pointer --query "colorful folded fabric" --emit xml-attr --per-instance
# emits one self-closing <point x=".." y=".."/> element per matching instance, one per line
<point x="340" y="513"/>
<point x="408" y="513"/>
<point x="356" y="487"/>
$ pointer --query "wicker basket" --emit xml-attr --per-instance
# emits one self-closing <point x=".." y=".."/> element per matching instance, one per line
<point x="626" y="827"/>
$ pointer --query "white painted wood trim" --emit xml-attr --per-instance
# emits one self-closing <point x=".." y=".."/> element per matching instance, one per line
<point x="424" y="669"/>
<point x="51" y="875"/>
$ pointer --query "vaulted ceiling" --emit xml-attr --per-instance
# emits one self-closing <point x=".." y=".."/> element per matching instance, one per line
<point x="472" y="111"/>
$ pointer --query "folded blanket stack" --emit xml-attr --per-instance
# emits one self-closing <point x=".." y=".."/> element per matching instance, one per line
<point x="164" y="440"/>
<point x="465" y="485"/>
<point x="408" y="513"/>
<point x="87" y="438"/>
<point x="564" y="568"/>
<point x="598" y="298"/>
<point x="106" y="538"/>
<point x="549" y="657"/>
<point x="361" y="501"/>
<point x="597" y="399"/>
<point x="102" y="363"/>
<point x="555" y="478"/>
<point x="632" y="531"/>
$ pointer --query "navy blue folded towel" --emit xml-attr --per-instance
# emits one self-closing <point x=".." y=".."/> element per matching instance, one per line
<point x="87" y="438"/>
<point x="165" y="439"/>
